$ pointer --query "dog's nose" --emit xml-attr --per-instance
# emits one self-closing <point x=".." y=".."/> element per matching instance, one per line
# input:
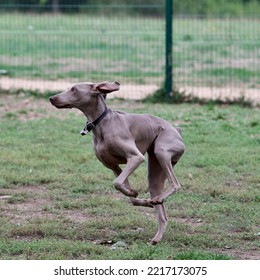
<point x="51" y="99"/>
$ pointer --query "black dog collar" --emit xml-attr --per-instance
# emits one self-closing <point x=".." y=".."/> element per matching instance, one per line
<point x="90" y="126"/>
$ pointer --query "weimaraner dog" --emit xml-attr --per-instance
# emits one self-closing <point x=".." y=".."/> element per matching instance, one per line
<point x="123" y="138"/>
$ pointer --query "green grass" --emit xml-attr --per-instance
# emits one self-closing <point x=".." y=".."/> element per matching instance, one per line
<point x="87" y="47"/>
<point x="241" y="74"/>
<point x="57" y="201"/>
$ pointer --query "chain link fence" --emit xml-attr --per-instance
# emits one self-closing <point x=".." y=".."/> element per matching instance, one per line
<point x="48" y="51"/>
<point x="212" y="57"/>
<point x="217" y="57"/>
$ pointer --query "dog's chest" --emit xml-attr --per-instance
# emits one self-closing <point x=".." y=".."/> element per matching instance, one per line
<point x="107" y="154"/>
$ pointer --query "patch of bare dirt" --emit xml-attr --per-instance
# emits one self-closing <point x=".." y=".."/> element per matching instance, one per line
<point x="24" y="203"/>
<point x="29" y="204"/>
<point x="129" y="91"/>
<point x="194" y="222"/>
<point x="137" y="92"/>
<point x="224" y="94"/>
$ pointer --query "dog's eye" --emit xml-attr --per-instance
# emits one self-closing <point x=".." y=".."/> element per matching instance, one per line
<point x="74" y="90"/>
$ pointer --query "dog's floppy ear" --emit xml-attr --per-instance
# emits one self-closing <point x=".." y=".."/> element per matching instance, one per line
<point x="107" y="87"/>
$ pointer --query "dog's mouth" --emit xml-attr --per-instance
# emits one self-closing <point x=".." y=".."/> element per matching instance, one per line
<point x="66" y="106"/>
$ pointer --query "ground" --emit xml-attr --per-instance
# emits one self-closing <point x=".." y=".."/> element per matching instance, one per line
<point x="137" y="92"/>
<point x="54" y="210"/>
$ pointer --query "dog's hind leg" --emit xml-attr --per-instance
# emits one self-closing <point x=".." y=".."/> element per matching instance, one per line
<point x="167" y="155"/>
<point x="156" y="180"/>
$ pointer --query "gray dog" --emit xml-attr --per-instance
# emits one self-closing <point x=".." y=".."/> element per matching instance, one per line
<point x="122" y="138"/>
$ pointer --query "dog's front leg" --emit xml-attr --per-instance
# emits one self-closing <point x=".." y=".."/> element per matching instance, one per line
<point x="132" y="163"/>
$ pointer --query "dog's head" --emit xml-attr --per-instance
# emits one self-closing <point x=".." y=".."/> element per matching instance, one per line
<point x="83" y="94"/>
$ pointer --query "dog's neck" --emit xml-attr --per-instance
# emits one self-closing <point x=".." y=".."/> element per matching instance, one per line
<point x="93" y="111"/>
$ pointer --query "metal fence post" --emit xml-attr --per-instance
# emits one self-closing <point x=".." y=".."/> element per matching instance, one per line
<point x="168" y="50"/>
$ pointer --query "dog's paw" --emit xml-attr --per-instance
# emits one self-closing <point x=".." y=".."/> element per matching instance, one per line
<point x="154" y="241"/>
<point x="126" y="191"/>
<point x="132" y="193"/>
<point x="149" y="203"/>
<point x="156" y="200"/>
